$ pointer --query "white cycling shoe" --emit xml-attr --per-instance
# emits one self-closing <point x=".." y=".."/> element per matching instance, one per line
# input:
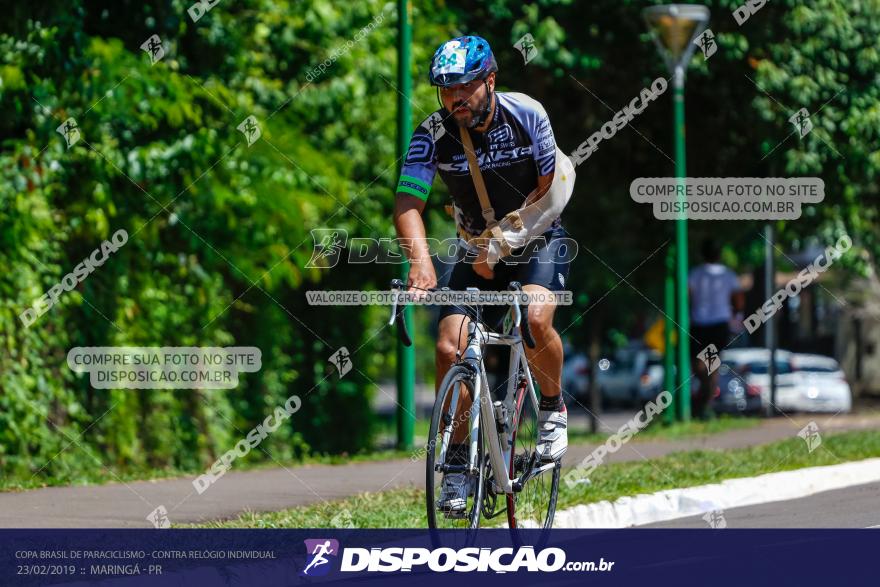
<point x="552" y="434"/>
<point x="453" y="495"/>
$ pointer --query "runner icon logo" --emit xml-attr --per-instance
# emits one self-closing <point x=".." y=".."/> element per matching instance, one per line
<point x="319" y="551"/>
<point x="706" y="43"/>
<point x="710" y="357"/>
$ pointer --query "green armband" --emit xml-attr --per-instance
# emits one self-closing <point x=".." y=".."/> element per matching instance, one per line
<point x="414" y="186"/>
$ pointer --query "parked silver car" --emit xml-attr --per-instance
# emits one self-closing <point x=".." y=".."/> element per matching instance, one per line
<point x="753" y="364"/>
<point x="804" y="382"/>
<point x="821" y="386"/>
<point x="633" y="376"/>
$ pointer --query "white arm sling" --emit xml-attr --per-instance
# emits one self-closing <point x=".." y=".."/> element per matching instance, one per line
<point x="516" y="228"/>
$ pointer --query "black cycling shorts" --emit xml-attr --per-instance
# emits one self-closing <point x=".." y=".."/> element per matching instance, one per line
<point x="543" y="263"/>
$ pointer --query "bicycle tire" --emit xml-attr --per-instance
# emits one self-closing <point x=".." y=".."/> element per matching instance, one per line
<point x="457" y="375"/>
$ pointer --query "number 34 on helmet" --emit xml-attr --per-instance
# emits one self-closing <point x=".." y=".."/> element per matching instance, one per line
<point x="461" y="60"/>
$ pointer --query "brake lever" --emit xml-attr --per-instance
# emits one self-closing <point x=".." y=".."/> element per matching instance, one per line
<point x="397" y="314"/>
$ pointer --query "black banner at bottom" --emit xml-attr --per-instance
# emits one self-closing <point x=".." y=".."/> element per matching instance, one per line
<point x="192" y="558"/>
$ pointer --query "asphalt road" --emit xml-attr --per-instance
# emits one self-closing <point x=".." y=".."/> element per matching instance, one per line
<point x="852" y="507"/>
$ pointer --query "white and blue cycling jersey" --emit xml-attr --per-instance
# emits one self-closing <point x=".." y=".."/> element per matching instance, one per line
<point x="517" y="147"/>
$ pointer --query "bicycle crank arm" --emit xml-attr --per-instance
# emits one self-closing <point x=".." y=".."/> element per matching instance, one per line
<point x="533" y="472"/>
<point x="495" y="514"/>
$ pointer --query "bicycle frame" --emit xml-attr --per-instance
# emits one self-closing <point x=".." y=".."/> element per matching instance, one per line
<point x="500" y="448"/>
<point x="482" y="408"/>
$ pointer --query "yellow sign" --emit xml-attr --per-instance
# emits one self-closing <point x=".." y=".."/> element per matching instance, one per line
<point x="654" y="337"/>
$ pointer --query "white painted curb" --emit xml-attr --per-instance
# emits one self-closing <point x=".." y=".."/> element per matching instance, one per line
<point x="679" y="503"/>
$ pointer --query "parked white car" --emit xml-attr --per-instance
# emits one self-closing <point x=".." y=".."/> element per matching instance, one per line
<point x="804" y="383"/>
<point x="821" y="385"/>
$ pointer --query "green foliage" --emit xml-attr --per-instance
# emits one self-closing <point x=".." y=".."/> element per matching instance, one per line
<point x="218" y="231"/>
<point x="594" y="57"/>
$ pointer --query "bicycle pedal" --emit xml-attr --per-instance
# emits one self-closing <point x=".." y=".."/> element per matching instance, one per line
<point x="454" y="514"/>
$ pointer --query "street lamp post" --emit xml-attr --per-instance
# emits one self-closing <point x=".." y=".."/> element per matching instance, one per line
<point x="674" y="28"/>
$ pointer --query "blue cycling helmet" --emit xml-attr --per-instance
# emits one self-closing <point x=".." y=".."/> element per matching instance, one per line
<point x="461" y="60"/>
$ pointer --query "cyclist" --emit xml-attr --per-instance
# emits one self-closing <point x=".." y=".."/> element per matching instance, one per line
<point x="516" y="153"/>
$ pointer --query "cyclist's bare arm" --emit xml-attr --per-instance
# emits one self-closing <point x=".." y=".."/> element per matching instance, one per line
<point x="539" y="192"/>
<point x="411" y="232"/>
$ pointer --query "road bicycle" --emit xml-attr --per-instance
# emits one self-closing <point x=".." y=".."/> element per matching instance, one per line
<point x="501" y="431"/>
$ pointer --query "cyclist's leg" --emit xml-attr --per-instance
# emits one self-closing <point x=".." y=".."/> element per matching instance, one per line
<point x="545" y="271"/>
<point x="451" y="339"/>
<point x="546" y="358"/>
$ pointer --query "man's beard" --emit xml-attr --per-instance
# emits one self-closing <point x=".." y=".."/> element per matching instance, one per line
<point x="475" y="113"/>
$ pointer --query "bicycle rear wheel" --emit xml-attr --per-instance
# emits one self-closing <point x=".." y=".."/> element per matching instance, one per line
<point x="534" y="505"/>
<point x="449" y="415"/>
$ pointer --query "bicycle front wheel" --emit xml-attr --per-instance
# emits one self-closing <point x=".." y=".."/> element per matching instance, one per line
<point x="448" y="450"/>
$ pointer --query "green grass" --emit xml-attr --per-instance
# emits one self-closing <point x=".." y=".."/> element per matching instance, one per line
<point x="700" y="467"/>
<point x="677" y="431"/>
<point x="404" y="508"/>
<point x="99" y="475"/>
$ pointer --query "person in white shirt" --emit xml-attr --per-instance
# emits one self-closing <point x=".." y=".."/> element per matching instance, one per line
<point x="717" y="302"/>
